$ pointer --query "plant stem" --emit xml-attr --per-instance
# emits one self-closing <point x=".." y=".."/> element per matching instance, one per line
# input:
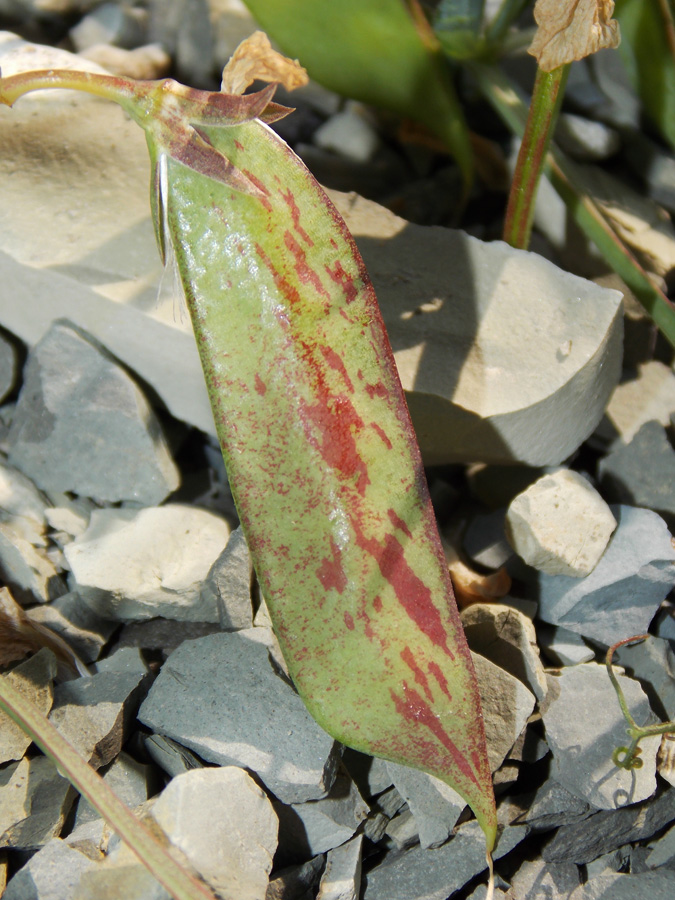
<point x="180" y="884"/>
<point x="549" y="88"/>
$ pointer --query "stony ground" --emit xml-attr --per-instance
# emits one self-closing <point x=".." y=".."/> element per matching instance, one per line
<point x="544" y="411"/>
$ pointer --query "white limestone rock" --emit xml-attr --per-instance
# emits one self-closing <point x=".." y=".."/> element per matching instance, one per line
<point x="560" y="524"/>
<point x="640" y="400"/>
<point x="81" y="424"/>
<point x="341" y="879"/>
<point x="133" y="564"/>
<point x="33" y="679"/>
<point x="459" y="312"/>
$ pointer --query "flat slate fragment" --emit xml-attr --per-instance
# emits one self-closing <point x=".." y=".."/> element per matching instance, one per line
<point x="34" y="802"/>
<point x="219" y="696"/>
<point x="51" y="874"/>
<point x="81" y="424"/>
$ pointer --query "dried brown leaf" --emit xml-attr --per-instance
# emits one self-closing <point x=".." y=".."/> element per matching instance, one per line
<point x="254" y="59"/>
<point x="572" y="29"/>
<point x="19" y="636"/>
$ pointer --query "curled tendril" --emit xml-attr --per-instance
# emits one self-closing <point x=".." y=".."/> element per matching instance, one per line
<point x="627" y="758"/>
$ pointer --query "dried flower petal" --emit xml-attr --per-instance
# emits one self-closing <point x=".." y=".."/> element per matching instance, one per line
<point x="255" y="59"/>
<point x="572" y="29"/>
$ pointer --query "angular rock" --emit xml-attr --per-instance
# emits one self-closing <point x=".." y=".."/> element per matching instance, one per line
<point x="26" y="569"/>
<point x="20" y="497"/>
<point x="95" y="713"/>
<point x="370" y="774"/>
<point x="111" y="880"/>
<point x="229" y="583"/>
<point x="621" y="595"/>
<point x="421" y="874"/>
<point x="382" y="810"/>
<point x="507" y="638"/>
<point x="563" y="647"/>
<point x="485" y="542"/>
<point x="33" y="679"/>
<point x="584" y="725"/>
<point x="220" y="697"/>
<point x="536" y="879"/>
<point x="307" y="829"/>
<point x="9" y="363"/>
<point x="507" y="705"/>
<point x="663" y="850"/>
<point x="110" y="23"/>
<point x="172" y="757"/>
<point x="81" y="424"/>
<point x="652" y="885"/>
<point x="402" y="831"/>
<point x="650" y="396"/>
<point x="130" y="780"/>
<point x="34" y="802"/>
<point x="348" y="133"/>
<point x="76" y="623"/>
<point x="643" y="472"/>
<point x="606" y="830"/>
<point x="52" y="873"/>
<point x="146" y="63"/>
<point x="136" y="564"/>
<point x="435" y="806"/>
<point x="652" y="663"/>
<point x="586" y="139"/>
<point x="553" y="806"/>
<point x="163" y="634"/>
<point x="560" y="524"/>
<point x="341" y="879"/>
<point x="296" y="882"/>
<point x="234" y="852"/>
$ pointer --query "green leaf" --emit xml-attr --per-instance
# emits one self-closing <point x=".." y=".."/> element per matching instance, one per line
<point x="648" y="50"/>
<point x="316" y="436"/>
<point x="375" y="51"/>
<point x="458" y="25"/>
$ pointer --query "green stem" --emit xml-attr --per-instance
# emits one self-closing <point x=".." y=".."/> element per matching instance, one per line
<point x="549" y="88"/>
<point x="628" y="757"/>
<point x="180" y="884"/>
<point x="503" y="96"/>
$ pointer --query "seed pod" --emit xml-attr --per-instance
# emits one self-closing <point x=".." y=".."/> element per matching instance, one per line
<point x="320" y="451"/>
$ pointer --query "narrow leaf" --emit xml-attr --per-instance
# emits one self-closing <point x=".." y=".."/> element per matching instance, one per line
<point x="318" y="443"/>
<point x="648" y="50"/>
<point x="375" y="51"/>
<point x="458" y="25"/>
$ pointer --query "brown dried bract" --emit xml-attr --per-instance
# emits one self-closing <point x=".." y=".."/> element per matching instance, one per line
<point x="572" y="29"/>
<point x="254" y="59"/>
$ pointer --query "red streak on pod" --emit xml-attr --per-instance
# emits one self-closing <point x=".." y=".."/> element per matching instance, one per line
<point x="289" y="199"/>
<point x="330" y="572"/>
<point x="420" y="677"/>
<point x="305" y="272"/>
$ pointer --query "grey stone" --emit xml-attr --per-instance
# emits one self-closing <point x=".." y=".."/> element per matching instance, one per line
<point x="76" y="623"/>
<point x="171" y="756"/>
<point x="349" y="133"/>
<point x="643" y="472"/>
<point x="536" y="879"/>
<point x="654" y="166"/>
<point x="71" y="519"/>
<point x="163" y="634"/>
<point x="146" y="63"/>
<point x="402" y="831"/>
<point x="382" y="810"/>
<point x="507" y="638"/>
<point x="110" y="23"/>
<point x="485" y="541"/>
<point x="234" y="851"/>
<point x="94" y="714"/>
<point x="621" y="595"/>
<point x="20" y="497"/>
<point x="585" y="139"/>
<point x="141" y="563"/>
<point x="419" y="874"/>
<point x="296" y="882"/>
<point x="33" y="679"/>
<point x="82" y="425"/>
<point x="652" y="663"/>
<point x="435" y="806"/>
<point x="507" y="705"/>
<point x="616" y="861"/>
<point x="647" y="886"/>
<point x="184" y="29"/>
<point x="50" y="874"/>
<point x="27" y="569"/>
<point x="553" y="806"/>
<point x="560" y="524"/>
<point x="110" y="880"/>
<point x="664" y="623"/>
<point x="229" y="583"/>
<point x="662" y="852"/>
<point x="370" y="774"/>
<point x="128" y="779"/>
<point x="127" y="660"/>
<point x="9" y="363"/>
<point x="604" y="831"/>
<point x="563" y="647"/>
<point x="584" y="725"/>
<point x="341" y="879"/>
<point x="307" y="829"/>
<point x="220" y="697"/>
<point x="34" y="802"/>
